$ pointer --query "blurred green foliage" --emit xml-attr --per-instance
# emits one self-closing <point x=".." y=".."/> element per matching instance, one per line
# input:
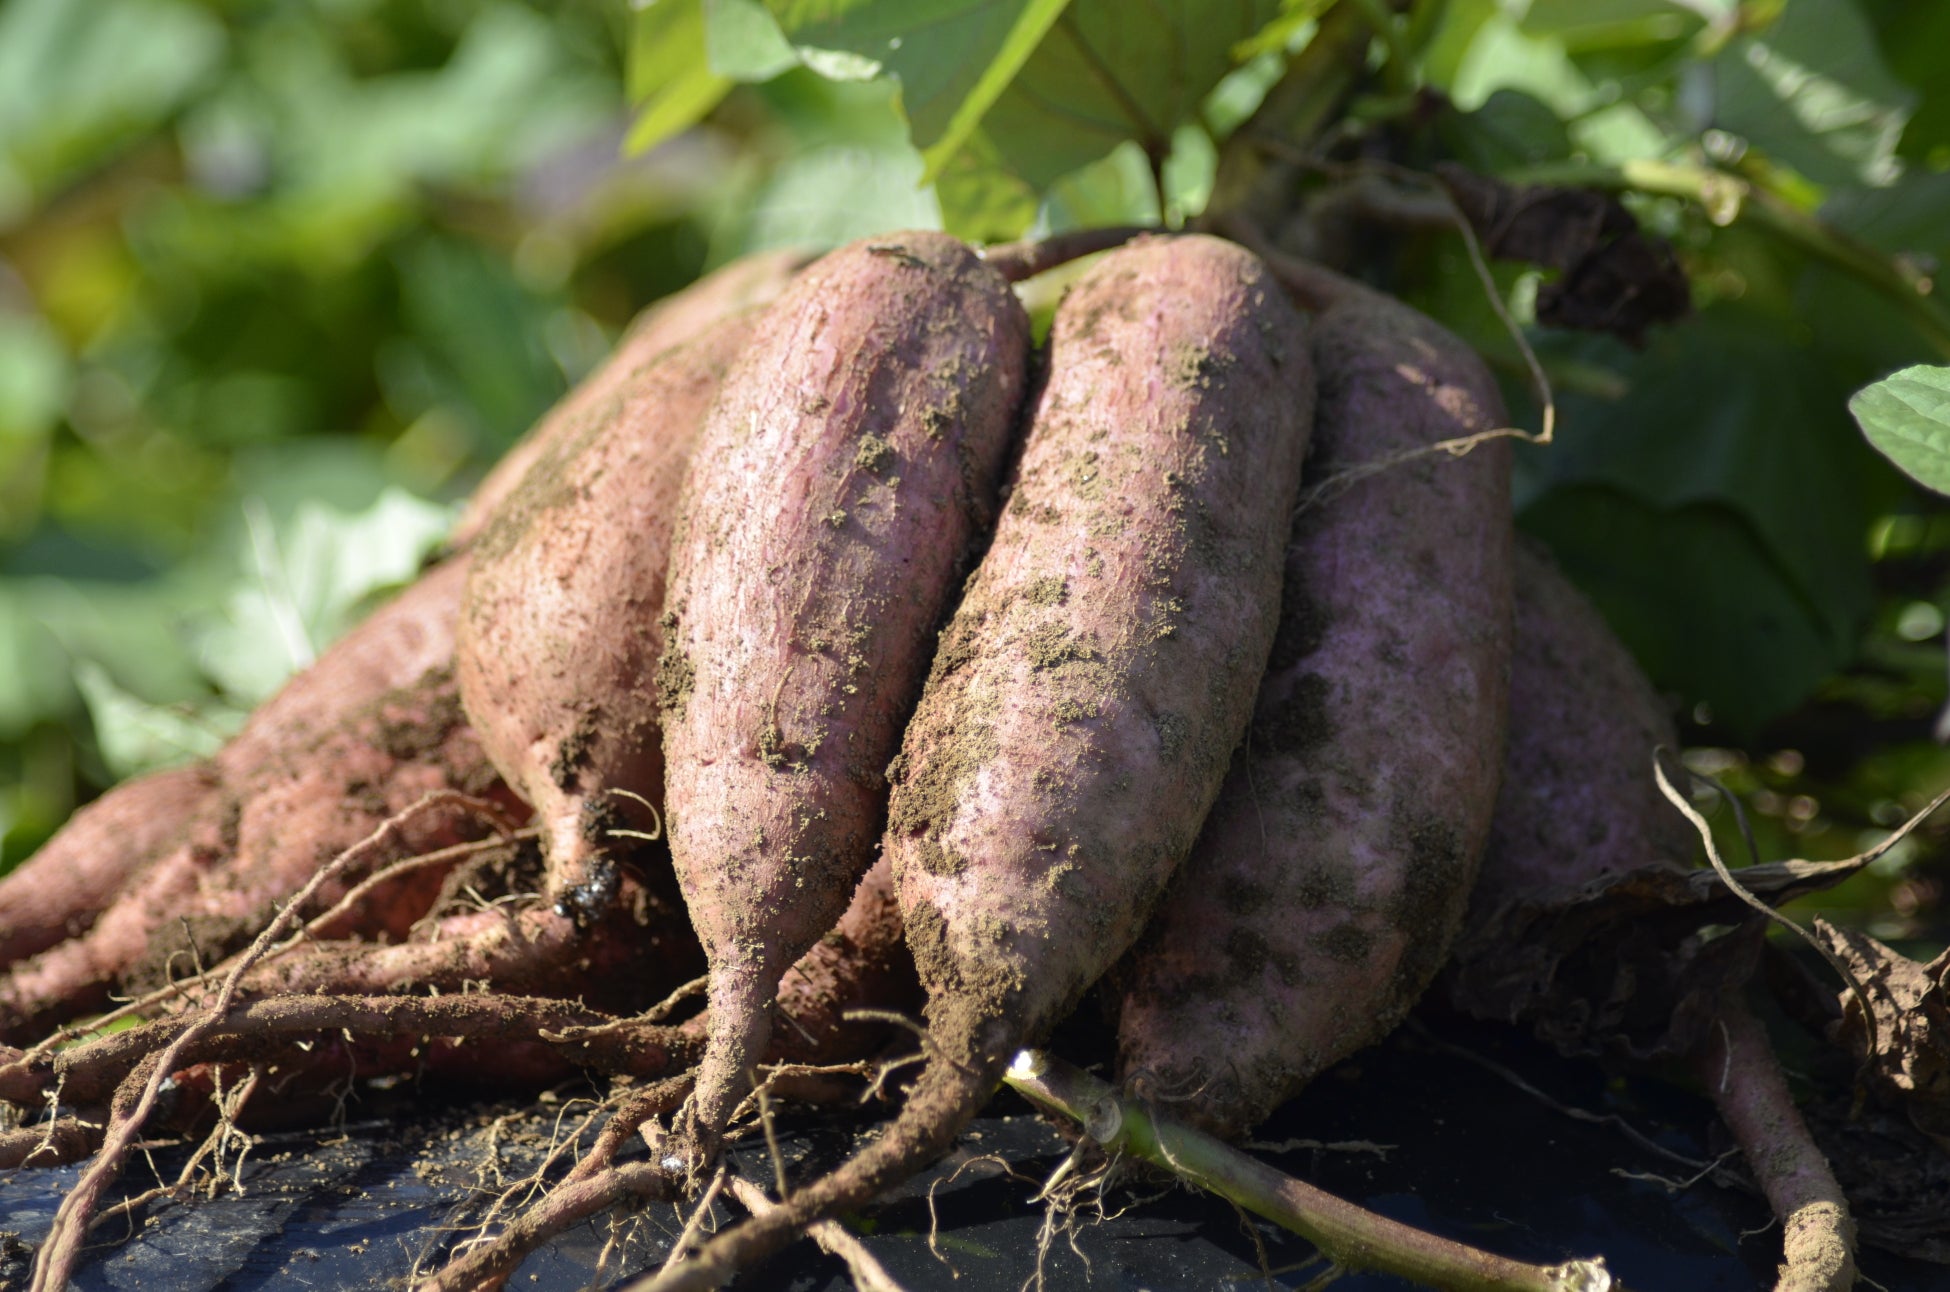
<point x="278" y="280"/>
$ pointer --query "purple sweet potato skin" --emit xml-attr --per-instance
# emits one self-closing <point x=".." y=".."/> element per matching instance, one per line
<point x="1578" y="804"/>
<point x="61" y="890"/>
<point x="1585" y="857"/>
<point x="841" y="483"/>
<point x="742" y="285"/>
<point x="1088" y="692"/>
<point x="1332" y="874"/>
<point x="1087" y="696"/>
<point x="561" y="630"/>
<point x="862" y="963"/>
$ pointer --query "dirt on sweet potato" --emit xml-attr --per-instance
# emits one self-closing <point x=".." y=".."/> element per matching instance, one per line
<point x="842" y="484"/>
<point x="1090" y="687"/>
<point x="561" y="627"/>
<point x="1332" y="873"/>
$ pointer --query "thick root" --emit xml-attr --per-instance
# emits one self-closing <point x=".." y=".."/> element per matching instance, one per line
<point x="943" y="1101"/>
<point x="1744" y="1078"/>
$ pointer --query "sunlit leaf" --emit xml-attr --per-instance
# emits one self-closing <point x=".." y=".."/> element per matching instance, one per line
<point x="980" y="200"/>
<point x="306" y="581"/>
<point x="1119" y="189"/>
<point x="836" y="194"/>
<point x="1100" y="78"/>
<point x="671" y="77"/>
<point x="34" y="377"/>
<point x="33" y="668"/>
<point x="1031" y="25"/>
<point x="1906" y="416"/>
<point x="134" y="736"/>
<point x="80" y="80"/>
<point x="1812" y="92"/>
<point x="1605" y="24"/>
<point x="951" y="57"/>
<point x="744" y="40"/>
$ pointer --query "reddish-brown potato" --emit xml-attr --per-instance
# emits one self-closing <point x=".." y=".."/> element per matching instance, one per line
<point x="1332" y="874"/>
<point x="373" y="725"/>
<point x="1088" y="693"/>
<point x="863" y="963"/>
<point x="1578" y="804"/>
<point x="1584" y="922"/>
<point x="842" y="482"/>
<point x="560" y="633"/>
<point x="743" y="284"/>
<point x="60" y="891"/>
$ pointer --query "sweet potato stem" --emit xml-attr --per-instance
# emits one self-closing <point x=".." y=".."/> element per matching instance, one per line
<point x="1740" y="1071"/>
<point x="1352" y="1237"/>
<point x="1017" y="261"/>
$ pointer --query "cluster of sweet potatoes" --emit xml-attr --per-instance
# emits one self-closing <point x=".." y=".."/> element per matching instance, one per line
<point x="849" y="648"/>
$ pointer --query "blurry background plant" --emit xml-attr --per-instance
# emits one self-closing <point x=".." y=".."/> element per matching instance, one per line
<point x="278" y="279"/>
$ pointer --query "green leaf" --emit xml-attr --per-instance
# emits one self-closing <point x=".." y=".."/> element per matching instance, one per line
<point x="1100" y="78"/>
<point x="1117" y="190"/>
<point x="828" y="196"/>
<point x="744" y="41"/>
<point x="1812" y="92"/>
<point x="851" y="171"/>
<point x="1912" y="38"/>
<point x="980" y="201"/>
<point x="1906" y="416"/>
<point x="135" y="736"/>
<point x="1910" y="216"/>
<point x="307" y="582"/>
<point x="34" y="378"/>
<point x="1697" y="597"/>
<point x="80" y="81"/>
<point x="33" y="668"/>
<point x="1721" y="412"/>
<point x="671" y="75"/>
<point x="1031" y="26"/>
<point x="951" y="57"/>
<point x="1498" y="53"/>
<point x="1510" y="130"/>
<point x="478" y="335"/>
<point x="1606" y="24"/>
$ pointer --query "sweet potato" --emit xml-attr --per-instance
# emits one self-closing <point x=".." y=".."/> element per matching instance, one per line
<point x="862" y="963"/>
<point x="743" y="284"/>
<point x="398" y="644"/>
<point x="60" y="891"/>
<point x="1086" y="697"/>
<point x="560" y="630"/>
<point x="370" y="727"/>
<point x="1332" y="875"/>
<point x="1583" y="923"/>
<point x="623" y="964"/>
<point x="1578" y="804"/>
<point x="840" y="485"/>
